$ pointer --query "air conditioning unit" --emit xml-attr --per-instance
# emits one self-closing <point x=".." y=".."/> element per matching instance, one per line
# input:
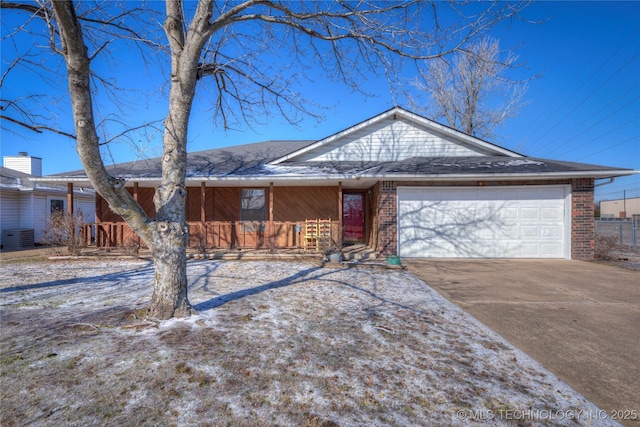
<point x="18" y="238"/>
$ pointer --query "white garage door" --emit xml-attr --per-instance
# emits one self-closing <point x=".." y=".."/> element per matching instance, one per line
<point x="484" y="222"/>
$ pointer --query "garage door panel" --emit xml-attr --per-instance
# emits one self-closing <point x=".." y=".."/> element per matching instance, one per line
<point x="551" y="213"/>
<point x="485" y="233"/>
<point x="549" y="250"/>
<point x="509" y="232"/>
<point x="509" y="213"/>
<point x="528" y="250"/>
<point x="529" y="213"/>
<point x="529" y="232"/>
<point x="493" y="222"/>
<point x="417" y="234"/>
<point x="550" y="232"/>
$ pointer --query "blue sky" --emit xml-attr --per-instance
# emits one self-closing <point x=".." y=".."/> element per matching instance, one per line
<point x="583" y="107"/>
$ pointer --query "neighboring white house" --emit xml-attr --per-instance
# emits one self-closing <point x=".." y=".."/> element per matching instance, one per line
<point x="25" y="206"/>
<point x="620" y="208"/>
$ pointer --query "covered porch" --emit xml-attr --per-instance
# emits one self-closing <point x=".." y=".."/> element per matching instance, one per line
<point x="271" y="216"/>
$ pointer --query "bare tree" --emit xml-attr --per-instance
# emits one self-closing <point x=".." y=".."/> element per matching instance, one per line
<point x="470" y="90"/>
<point x="230" y="47"/>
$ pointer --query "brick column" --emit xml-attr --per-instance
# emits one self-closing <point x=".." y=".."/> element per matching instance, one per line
<point x="582" y="221"/>
<point x="387" y="219"/>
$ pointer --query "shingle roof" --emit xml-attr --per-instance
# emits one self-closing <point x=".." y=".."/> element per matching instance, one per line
<point x="14" y="178"/>
<point x="252" y="160"/>
<point x="445" y="166"/>
<point x="235" y="160"/>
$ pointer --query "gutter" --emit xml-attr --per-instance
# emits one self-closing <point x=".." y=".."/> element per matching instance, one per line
<point x="610" y="174"/>
<point x="500" y="176"/>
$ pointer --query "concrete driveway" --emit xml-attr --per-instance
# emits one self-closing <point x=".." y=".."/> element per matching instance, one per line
<point x="578" y="319"/>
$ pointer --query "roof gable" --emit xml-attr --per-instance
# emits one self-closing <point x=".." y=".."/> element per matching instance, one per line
<point x="396" y="135"/>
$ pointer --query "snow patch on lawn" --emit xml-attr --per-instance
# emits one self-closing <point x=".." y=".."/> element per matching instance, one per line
<point x="273" y="343"/>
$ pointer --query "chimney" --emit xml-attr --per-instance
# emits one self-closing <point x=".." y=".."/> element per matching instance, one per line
<point x="24" y="163"/>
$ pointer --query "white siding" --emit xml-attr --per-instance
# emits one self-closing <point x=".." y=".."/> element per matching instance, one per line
<point x="26" y="210"/>
<point x="9" y="211"/>
<point x="29" y="210"/>
<point x="88" y="208"/>
<point x="41" y="212"/>
<point x="390" y="140"/>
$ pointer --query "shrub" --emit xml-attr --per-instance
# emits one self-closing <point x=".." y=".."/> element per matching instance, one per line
<point x="132" y="245"/>
<point x="604" y="245"/>
<point x="199" y="240"/>
<point x="63" y="229"/>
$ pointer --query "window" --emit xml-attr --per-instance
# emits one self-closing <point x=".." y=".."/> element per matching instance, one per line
<point x="252" y="205"/>
<point x="57" y="206"/>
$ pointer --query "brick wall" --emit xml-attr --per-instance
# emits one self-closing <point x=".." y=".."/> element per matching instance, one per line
<point x="387" y="219"/>
<point x="582" y="220"/>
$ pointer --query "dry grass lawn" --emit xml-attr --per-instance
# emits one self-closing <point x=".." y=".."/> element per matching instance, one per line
<point x="274" y="343"/>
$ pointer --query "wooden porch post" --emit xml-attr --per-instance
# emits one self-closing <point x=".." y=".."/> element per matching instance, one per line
<point x="135" y="191"/>
<point x="70" y="198"/>
<point x="203" y="192"/>
<point x="98" y="220"/>
<point x="72" y="230"/>
<point x="203" y="210"/>
<point x="271" y="229"/>
<point x="135" y="197"/>
<point x="340" y="233"/>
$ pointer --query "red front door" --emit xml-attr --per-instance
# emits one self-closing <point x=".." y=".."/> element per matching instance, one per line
<point x="353" y="217"/>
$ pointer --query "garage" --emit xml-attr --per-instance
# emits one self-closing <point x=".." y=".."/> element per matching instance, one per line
<point x="484" y="222"/>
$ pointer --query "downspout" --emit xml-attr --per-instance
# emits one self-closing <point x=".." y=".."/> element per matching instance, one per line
<point x="605" y="183"/>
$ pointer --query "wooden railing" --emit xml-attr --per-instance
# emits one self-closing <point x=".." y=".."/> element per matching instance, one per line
<point x="213" y="234"/>
<point x="109" y="234"/>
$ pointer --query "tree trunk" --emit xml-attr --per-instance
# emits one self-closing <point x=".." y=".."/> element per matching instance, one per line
<point x="170" y="234"/>
<point x="167" y="235"/>
<point x="169" y="256"/>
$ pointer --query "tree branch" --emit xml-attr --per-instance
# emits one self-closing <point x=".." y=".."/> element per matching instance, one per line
<point x="34" y="10"/>
<point x="36" y="128"/>
<point x="121" y="134"/>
